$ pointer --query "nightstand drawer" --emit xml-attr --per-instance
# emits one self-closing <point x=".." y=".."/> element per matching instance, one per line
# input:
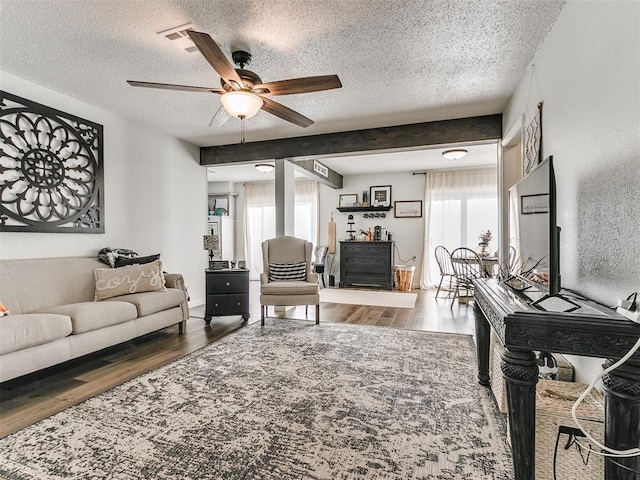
<point x="216" y="305"/>
<point x="237" y="303"/>
<point x="227" y="283"/>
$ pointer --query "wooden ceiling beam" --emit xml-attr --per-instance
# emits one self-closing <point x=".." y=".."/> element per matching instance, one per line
<point x="461" y="130"/>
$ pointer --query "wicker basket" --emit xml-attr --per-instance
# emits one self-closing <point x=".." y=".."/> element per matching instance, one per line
<point x="554" y="400"/>
<point x="498" y="387"/>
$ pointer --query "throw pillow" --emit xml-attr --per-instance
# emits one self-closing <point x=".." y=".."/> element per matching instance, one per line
<point x="110" y="255"/>
<point x="287" y="272"/>
<point x="130" y="279"/>
<point x="124" y="261"/>
<point x="3" y="310"/>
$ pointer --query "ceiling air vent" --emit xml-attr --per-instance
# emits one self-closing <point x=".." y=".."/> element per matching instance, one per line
<point x="180" y="37"/>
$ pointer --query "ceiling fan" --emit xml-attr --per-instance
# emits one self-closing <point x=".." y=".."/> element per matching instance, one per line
<point x="243" y="93"/>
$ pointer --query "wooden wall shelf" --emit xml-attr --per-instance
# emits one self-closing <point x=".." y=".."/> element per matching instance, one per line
<point x="363" y="209"/>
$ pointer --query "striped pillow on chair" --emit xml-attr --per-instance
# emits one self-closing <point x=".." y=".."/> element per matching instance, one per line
<point x="286" y="272"/>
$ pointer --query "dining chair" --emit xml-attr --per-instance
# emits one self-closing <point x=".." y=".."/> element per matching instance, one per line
<point x="443" y="259"/>
<point x="467" y="266"/>
<point x="320" y="258"/>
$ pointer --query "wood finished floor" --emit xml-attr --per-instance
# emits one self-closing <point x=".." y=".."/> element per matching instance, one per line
<point x="31" y="398"/>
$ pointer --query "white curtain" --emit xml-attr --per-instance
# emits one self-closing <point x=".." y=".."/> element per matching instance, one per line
<point x="260" y="218"/>
<point x="459" y="205"/>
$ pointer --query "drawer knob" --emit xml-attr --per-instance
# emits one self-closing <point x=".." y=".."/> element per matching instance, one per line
<point x="216" y="304"/>
<point x="228" y="284"/>
<point x="238" y="303"/>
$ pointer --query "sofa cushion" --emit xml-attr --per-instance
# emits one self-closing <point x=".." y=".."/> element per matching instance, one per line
<point x="30" y="329"/>
<point x="31" y="285"/>
<point x="113" y="282"/>
<point x="89" y="316"/>
<point x="288" y="288"/>
<point x="152" y="302"/>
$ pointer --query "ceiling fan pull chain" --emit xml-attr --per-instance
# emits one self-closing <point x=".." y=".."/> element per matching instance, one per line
<point x="242" y="130"/>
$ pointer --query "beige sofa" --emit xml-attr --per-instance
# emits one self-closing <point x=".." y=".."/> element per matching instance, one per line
<point x="54" y="316"/>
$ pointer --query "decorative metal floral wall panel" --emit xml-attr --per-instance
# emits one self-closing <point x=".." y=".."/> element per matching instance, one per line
<point x="51" y="169"/>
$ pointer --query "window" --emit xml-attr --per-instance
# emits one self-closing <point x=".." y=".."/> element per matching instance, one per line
<point x="260" y="218"/>
<point x="461" y="204"/>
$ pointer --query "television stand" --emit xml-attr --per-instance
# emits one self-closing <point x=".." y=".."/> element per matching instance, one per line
<point x="591" y="331"/>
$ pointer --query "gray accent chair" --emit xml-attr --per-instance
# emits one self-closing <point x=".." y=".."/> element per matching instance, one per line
<point x="287" y="249"/>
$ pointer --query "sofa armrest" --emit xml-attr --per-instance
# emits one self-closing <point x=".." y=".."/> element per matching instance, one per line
<point x="176" y="280"/>
<point x="312" y="277"/>
<point x="264" y="278"/>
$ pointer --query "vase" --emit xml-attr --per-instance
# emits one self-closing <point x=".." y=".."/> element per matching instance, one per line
<point x="483" y="249"/>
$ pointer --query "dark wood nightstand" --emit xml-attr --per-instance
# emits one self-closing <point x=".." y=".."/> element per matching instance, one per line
<point x="227" y="293"/>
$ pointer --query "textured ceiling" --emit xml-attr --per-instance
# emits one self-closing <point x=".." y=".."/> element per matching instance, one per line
<point x="399" y="61"/>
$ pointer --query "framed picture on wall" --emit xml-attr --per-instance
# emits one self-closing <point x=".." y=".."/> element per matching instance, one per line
<point x="380" y="196"/>
<point x="407" y="209"/>
<point x="348" y="200"/>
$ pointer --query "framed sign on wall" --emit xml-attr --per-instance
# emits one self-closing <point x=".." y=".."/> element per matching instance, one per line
<point x="380" y="196"/>
<point x="407" y="209"/>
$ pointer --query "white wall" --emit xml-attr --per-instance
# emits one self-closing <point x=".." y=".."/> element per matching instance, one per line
<point x="408" y="233"/>
<point x="589" y="73"/>
<point x="155" y="194"/>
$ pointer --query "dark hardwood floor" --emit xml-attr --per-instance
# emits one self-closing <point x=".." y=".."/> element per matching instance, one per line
<point x="31" y="398"/>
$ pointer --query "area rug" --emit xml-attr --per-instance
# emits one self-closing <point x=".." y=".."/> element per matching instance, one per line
<point x="290" y="400"/>
<point x="379" y="298"/>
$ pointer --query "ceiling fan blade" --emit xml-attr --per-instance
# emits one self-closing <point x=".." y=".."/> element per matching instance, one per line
<point x="301" y="85"/>
<point x="219" y="118"/>
<point x="211" y="51"/>
<point x="169" y="86"/>
<point x="285" y="113"/>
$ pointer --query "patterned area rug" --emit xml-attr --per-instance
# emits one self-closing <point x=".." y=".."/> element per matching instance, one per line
<point x="291" y="400"/>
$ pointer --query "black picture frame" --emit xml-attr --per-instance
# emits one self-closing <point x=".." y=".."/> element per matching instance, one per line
<point x="380" y="196"/>
<point x="407" y="209"/>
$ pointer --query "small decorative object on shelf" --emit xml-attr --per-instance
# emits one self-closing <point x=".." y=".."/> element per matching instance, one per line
<point x="350" y="230"/>
<point x="483" y="247"/>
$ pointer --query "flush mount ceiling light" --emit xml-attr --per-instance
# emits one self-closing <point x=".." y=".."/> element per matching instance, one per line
<point x="264" y="167"/>
<point x="454" y="154"/>
<point x="241" y="104"/>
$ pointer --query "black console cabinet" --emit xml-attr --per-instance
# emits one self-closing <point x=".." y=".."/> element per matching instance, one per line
<point x="366" y="263"/>
<point x="227" y="293"/>
<point x="592" y="331"/>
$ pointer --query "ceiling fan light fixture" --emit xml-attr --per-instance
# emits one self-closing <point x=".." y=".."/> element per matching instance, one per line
<point x="241" y="104"/>
<point x="454" y="154"/>
<point x="264" y="167"/>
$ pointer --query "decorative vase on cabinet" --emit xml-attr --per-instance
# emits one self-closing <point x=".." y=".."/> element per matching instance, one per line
<point x="483" y="249"/>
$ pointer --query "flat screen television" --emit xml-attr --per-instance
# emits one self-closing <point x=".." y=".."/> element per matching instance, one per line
<point x="533" y="233"/>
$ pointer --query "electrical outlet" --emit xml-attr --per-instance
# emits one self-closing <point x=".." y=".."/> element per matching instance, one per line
<point x="633" y="316"/>
<point x="626" y="304"/>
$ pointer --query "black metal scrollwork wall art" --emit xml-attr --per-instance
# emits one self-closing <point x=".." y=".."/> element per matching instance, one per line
<point x="51" y="169"/>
